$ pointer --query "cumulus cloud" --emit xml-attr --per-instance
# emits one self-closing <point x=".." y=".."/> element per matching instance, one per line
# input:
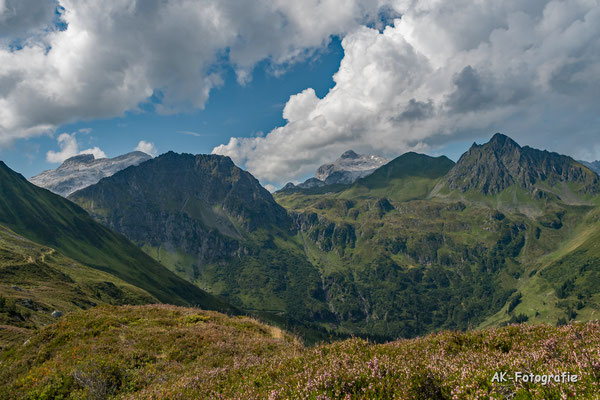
<point x="115" y="54"/>
<point x="20" y="16"/>
<point x="146" y="147"/>
<point x="445" y="71"/>
<point x="69" y="148"/>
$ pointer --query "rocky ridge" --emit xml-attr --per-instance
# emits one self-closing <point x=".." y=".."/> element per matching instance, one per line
<point x="492" y="167"/>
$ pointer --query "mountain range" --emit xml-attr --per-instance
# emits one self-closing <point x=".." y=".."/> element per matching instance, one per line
<point x="419" y="244"/>
<point x="506" y="235"/>
<point x="84" y="170"/>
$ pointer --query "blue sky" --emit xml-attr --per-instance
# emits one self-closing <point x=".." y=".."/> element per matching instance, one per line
<point x="283" y="87"/>
<point x="233" y="109"/>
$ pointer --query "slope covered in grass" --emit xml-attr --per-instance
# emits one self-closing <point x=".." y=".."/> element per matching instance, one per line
<point x="159" y="352"/>
<point x="50" y="220"/>
<point x="36" y="280"/>
<point x="564" y="283"/>
<point x="408" y="177"/>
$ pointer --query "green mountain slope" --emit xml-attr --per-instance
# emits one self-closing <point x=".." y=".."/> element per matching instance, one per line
<point x="401" y="253"/>
<point x="215" y="225"/>
<point x="53" y="221"/>
<point x="564" y="283"/>
<point x="395" y="263"/>
<point x="37" y="280"/>
<point x="168" y="352"/>
<point x="408" y="177"/>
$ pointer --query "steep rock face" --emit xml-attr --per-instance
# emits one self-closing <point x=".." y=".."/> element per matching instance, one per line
<point x="201" y="204"/>
<point x="84" y="170"/>
<point x="325" y="234"/>
<point x="349" y="167"/>
<point x="500" y="163"/>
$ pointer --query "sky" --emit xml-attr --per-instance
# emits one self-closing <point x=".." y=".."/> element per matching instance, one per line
<point x="282" y="87"/>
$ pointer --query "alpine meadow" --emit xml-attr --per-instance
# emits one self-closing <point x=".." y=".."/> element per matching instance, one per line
<point x="320" y="200"/>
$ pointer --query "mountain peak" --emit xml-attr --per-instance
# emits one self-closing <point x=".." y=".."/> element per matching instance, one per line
<point x="500" y="138"/>
<point x="500" y="141"/>
<point x="350" y="154"/>
<point x="349" y="167"/>
<point x="500" y="163"/>
<point x="79" y="159"/>
<point x="194" y="185"/>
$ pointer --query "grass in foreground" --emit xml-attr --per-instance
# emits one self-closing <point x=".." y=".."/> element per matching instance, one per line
<point x="158" y="352"/>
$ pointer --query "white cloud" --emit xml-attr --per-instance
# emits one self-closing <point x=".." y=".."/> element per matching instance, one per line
<point x="189" y="133"/>
<point x="445" y="71"/>
<point x="146" y="147"/>
<point x="69" y="148"/>
<point x="270" y="188"/>
<point x="20" y="16"/>
<point x="115" y="54"/>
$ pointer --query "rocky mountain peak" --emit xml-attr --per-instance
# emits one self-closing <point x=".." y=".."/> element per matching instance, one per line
<point x="500" y="163"/>
<point x="207" y="188"/>
<point x="350" y="154"/>
<point x="502" y="141"/>
<point x="349" y="167"/>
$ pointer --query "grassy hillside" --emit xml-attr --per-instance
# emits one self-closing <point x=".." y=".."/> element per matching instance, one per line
<point x="408" y="177"/>
<point x="396" y="263"/>
<point x="37" y="280"/>
<point x="150" y="352"/>
<point x="411" y="176"/>
<point x="53" y="221"/>
<point x="506" y="234"/>
<point x="563" y="284"/>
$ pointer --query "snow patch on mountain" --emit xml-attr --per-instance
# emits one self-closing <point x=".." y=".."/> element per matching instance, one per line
<point x="349" y="167"/>
<point x="345" y="170"/>
<point x="84" y="170"/>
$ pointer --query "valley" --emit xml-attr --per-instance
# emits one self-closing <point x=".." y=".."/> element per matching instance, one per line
<point x="418" y="245"/>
